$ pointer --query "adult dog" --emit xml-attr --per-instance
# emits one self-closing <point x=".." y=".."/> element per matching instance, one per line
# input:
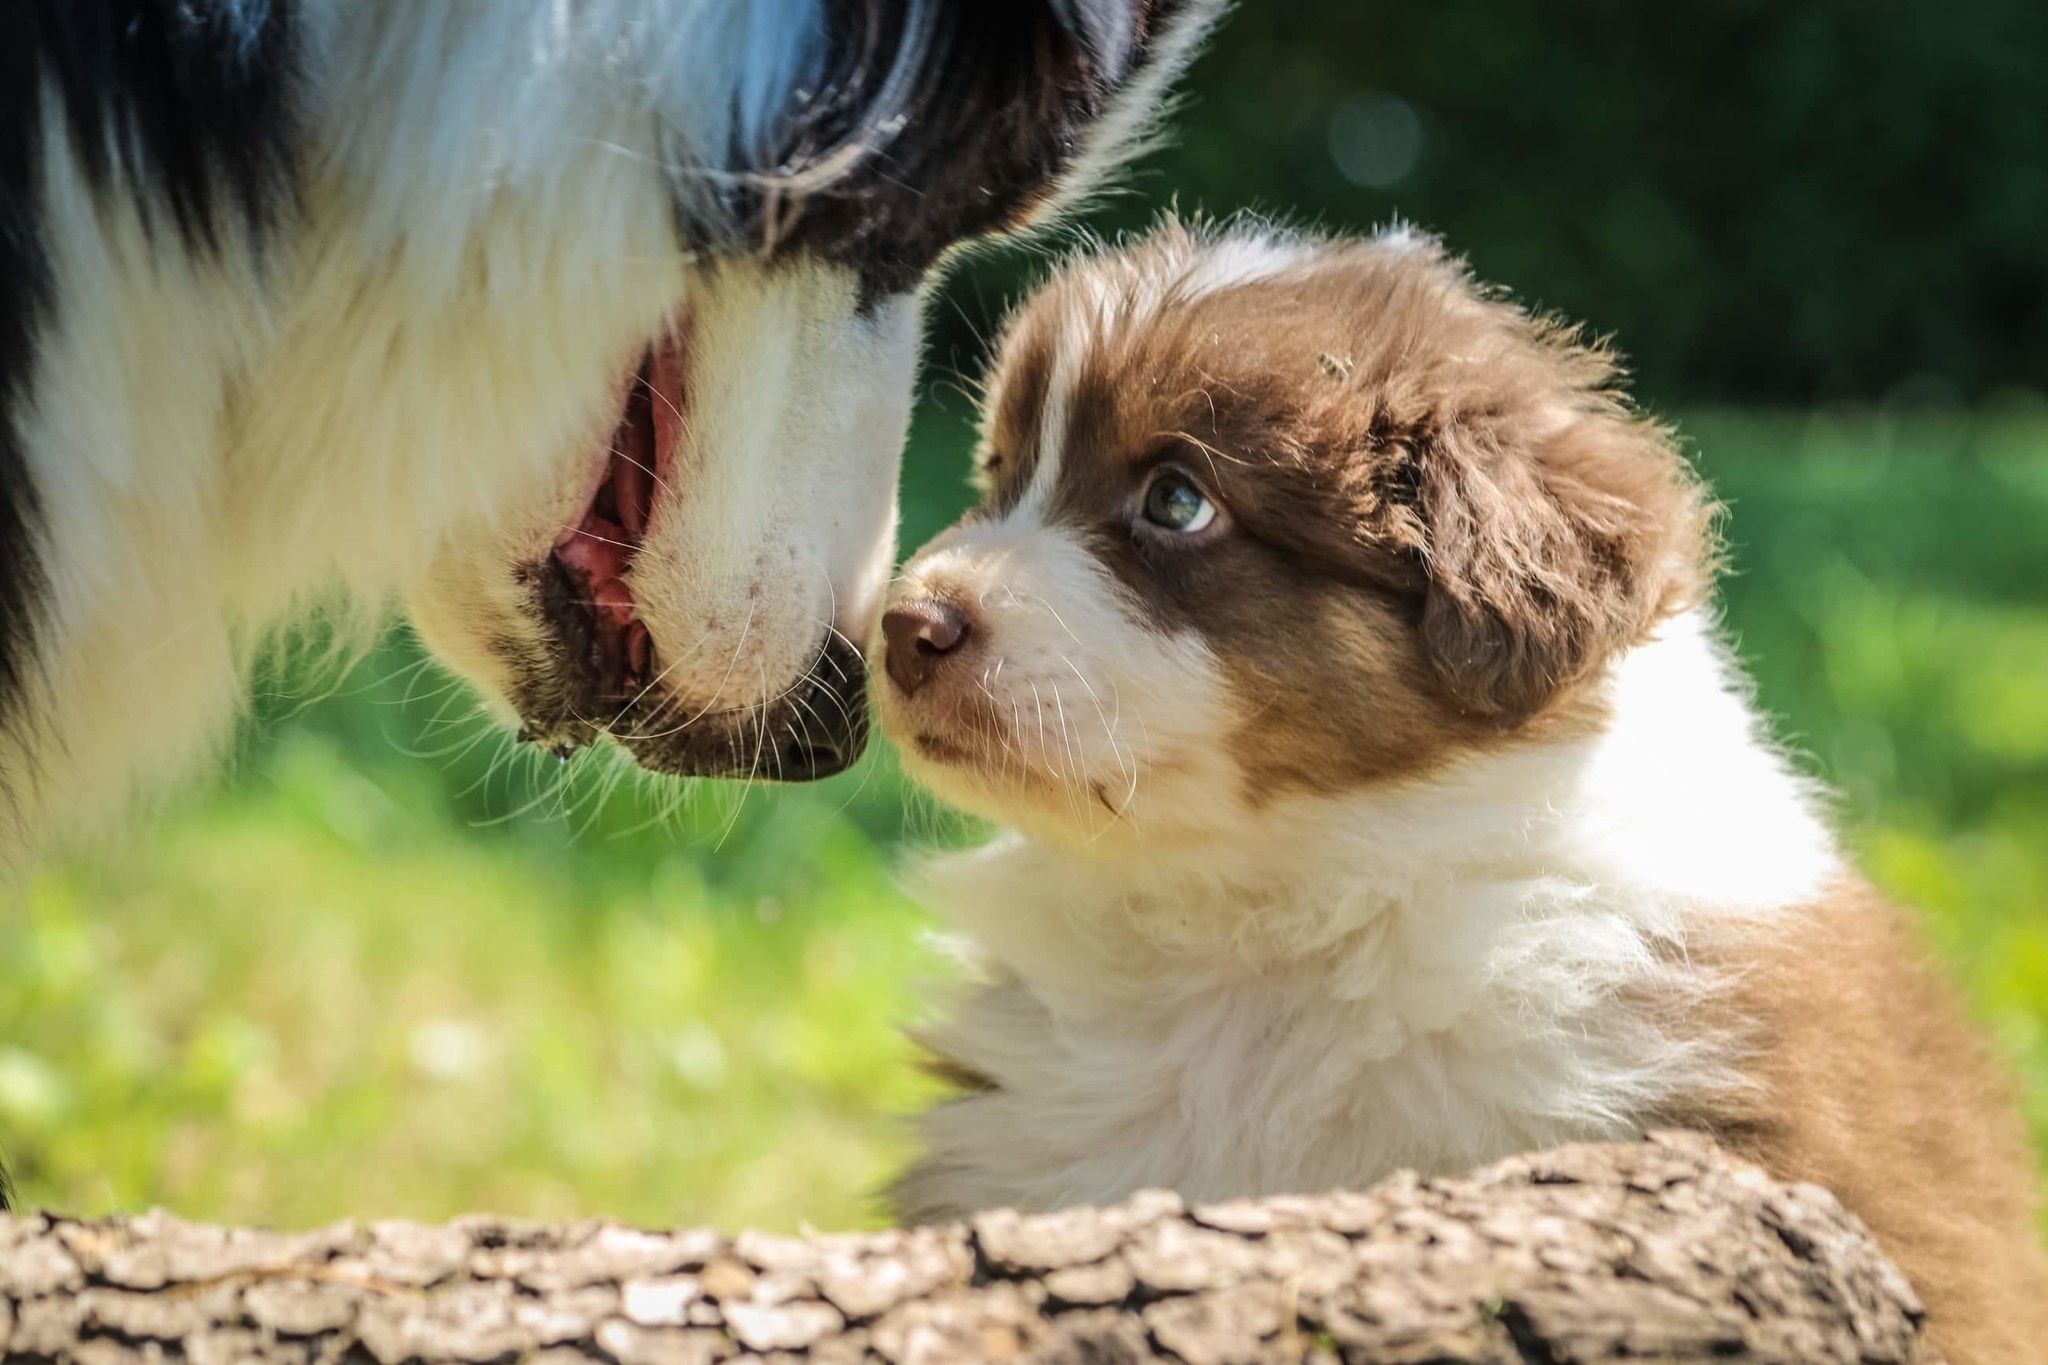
<point x="301" y="293"/>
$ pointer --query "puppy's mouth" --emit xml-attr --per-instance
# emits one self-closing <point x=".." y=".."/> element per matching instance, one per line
<point x="1002" y="769"/>
<point x="941" y="748"/>
<point x="964" y="732"/>
<point x="601" y="674"/>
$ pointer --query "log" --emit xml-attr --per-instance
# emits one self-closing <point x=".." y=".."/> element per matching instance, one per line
<point x="1665" y="1249"/>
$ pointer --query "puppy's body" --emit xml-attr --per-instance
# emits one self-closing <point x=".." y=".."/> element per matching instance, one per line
<point x="1477" y="963"/>
<point x="1399" y="809"/>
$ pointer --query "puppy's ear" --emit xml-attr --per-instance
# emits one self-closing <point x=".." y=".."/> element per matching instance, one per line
<point x="1556" y="532"/>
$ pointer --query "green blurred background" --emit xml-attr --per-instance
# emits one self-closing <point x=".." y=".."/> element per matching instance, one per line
<point x="392" y="966"/>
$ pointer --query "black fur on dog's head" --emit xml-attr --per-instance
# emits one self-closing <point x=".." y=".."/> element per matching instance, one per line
<point x="950" y="123"/>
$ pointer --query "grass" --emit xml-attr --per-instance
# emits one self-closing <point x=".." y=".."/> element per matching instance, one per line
<point x="354" y="981"/>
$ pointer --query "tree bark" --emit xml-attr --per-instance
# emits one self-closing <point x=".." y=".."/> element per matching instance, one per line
<point x="1665" y="1249"/>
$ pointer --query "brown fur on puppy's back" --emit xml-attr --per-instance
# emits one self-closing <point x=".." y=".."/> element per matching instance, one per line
<point x="1868" y="1080"/>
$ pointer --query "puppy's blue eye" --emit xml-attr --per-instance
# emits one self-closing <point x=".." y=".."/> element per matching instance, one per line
<point x="1174" y="503"/>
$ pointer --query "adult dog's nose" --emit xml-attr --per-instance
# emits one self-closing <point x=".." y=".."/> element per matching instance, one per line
<point x="922" y="634"/>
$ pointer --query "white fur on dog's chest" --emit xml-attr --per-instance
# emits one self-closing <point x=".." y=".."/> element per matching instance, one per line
<point x="1433" y="977"/>
<point x="1379" y="1054"/>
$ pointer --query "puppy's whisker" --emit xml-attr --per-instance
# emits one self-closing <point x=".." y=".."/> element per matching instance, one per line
<point x="1054" y="614"/>
<point x="1077" y="781"/>
<point x="1108" y="726"/>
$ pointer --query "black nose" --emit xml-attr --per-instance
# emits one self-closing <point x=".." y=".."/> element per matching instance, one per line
<point x="922" y="634"/>
<point x="833" y="705"/>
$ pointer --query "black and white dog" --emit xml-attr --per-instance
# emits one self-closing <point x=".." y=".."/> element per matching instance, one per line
<point x="487" y="302"/>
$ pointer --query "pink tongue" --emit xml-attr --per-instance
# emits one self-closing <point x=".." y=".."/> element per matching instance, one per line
<point x="602" y="550"/>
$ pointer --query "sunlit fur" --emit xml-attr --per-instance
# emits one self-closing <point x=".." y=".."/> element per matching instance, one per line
<point x="1229" y="967"/>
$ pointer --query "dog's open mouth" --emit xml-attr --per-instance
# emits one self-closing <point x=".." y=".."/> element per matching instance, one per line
<point x="602" y="675"/>
<point x="616" y="653"/>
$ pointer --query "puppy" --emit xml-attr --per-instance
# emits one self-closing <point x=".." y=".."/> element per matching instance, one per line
<point x="1338" y="644"/>
<point x="591" y="326"/>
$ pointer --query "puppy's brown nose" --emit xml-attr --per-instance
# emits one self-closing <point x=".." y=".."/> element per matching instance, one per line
<point x="922" y="634"/>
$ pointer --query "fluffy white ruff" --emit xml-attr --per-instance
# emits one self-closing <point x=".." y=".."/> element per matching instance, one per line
<point x="1433" y="975"/>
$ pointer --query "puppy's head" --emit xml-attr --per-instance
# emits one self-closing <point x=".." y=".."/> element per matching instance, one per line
<point x="1267" y="516"/>
<point x="692" y="585"/>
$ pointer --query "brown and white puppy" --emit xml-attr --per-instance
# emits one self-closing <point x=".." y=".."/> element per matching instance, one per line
<point x="1337" y="641"/>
